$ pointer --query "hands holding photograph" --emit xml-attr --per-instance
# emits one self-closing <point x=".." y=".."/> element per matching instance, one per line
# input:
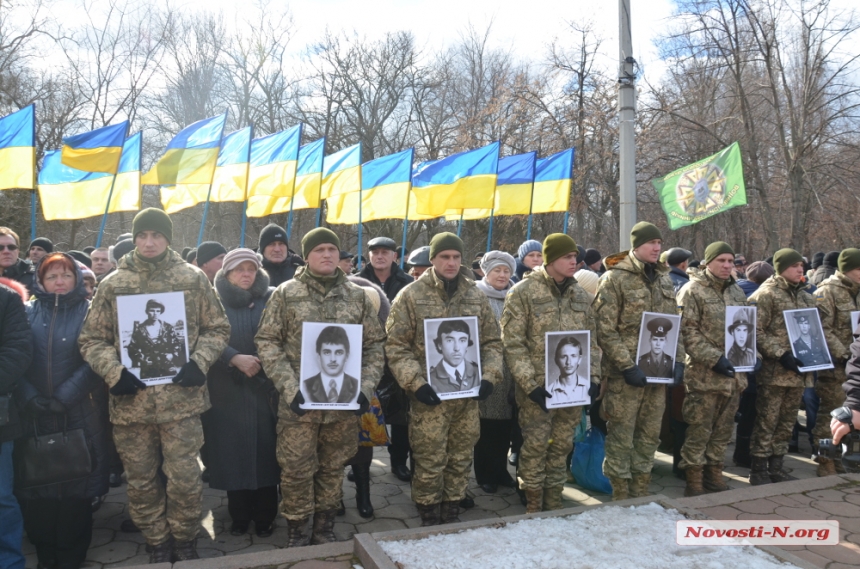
<point x="128" y="384"/>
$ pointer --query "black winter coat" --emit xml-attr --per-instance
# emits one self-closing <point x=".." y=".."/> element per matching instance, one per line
<point x="16" y="351"/>
<point x="395" y="283"/>
<point x="239" y="429"/>
<point x="284" y="271"/>
<point x="58" y="371"/>
<point x="24" y="272"/>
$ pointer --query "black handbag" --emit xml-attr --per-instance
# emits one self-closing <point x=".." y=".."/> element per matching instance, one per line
<point x="52" y="459"/>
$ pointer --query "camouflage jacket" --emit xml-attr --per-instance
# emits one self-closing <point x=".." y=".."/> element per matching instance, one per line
<point x="534" y="307"/>
<point x="207" y="330"/>
<point x="773" y="297"/>
<point x="623" y="294"/>
<point x="426" y="298"/>
<point x="279" y="337"/>
<point x="703" y="303"/>
<point x="836" y="299"/>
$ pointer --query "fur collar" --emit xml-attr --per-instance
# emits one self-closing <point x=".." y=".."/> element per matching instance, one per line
<point x="235" y="297"/>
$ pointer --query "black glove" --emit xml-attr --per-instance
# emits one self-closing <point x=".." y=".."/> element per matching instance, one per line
<point x="724" y="367"/>
<point x="789" y="362"/>
<point x="539" y="395"/>
<point x="594" y="391"/>
<point x="634" y="376"/>
<point x="128" y="384"/>
<point x="678" y="375"/>
<point x="298" y="400"/>
<point x="54" y="406"/>
<point x="190" y="375"/>
<point x="485" y="391"/>
<point x="427" y="396"/>
<point x="757" y="367"/>
<point x="39" y="405"/>
<point x="363" y="405"/>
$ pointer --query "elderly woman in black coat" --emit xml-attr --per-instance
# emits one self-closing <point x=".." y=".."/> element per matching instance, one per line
<point x="240" y="427"/>
<point x="60" y="391"/>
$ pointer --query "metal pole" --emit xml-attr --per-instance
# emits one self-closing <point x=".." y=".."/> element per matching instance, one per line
<point x="627" y="112"/>
<point x="566" y="218"/>
<point x="104" y="217"/>
<point x="247" y="178"/>
<point x="405" y="225"/>
<point x="460" y="223"/>
<point x="33" y="216"/>
<point x="290" y="218"/>
<point x="490" y="232"/>
<point x="205" y="213"/>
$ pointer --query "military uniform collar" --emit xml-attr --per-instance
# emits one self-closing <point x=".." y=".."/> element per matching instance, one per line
<point x="844" y="281"/>
<point x="718" y="283"/>
<point x="136" y="263"/>
<point x="541" y="273"/>
<point x="438" y="283"/>
<point x="304" y="275"/>
<point x="780" y="282"/>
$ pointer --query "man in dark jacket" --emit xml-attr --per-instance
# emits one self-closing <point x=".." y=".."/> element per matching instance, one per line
<point x="278" y="260"/>
<point x="756" y="274"/>
<point x="15" y="353"/>
<point x="677" y="260"/>
<point x="10" y="265"/>
<point x="827" y="269"/>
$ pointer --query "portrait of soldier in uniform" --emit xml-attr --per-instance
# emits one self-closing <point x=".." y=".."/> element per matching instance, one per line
<point x="157" y="347"/>
<point x="329" y="370"/>
<point x="567" y="373"/>
<point x="457" y="370"/>
<point x="656" y="357"/>
<point x="740" y="339"/>
<point x="807" y="339"/>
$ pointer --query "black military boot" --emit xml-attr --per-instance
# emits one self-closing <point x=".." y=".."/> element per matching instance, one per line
<point x="361" y="472"/>
<point x="185" y="550"/>
<point x="758" y="471"/>
<point x="775" y="470"/>
<point x="162" y="553"/>
<point x="296" y="536"/>
<point x="450" y="512"/>
<point x="429" y="514"/>
<point x="323" y="531"/>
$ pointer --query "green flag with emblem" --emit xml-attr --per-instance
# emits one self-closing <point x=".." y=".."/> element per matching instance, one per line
<point x="703" y="189"/>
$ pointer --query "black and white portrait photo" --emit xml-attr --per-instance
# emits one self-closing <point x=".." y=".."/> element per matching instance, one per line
<point x="658" y="340"/>
<point x="453" y="358"/>
<point x="807" y="339"/>
<point x="568" y="368"/>
<point x="740" y="337"/>
<point x="152" y="332"/>
<point x="855" y="320"/>
<point x="330" y="367"/>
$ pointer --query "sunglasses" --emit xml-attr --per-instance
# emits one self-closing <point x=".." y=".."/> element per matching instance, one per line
<point x="9" y="247"/>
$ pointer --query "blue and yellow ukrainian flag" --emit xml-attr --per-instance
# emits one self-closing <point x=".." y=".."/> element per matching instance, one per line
<point x="97" y="150"/>
<point x="513" y="189"/>
<point x="18" y="150"/>
<point x="191" y="156"/>
<point x="385" y="193"/>
<point x="553" y="178"/>
<point x="68" y="193"/>
<point x="342" y="172"/>
<point x="306" y="191"/>
<point x="463" y="181"/>
<point x="274" y="160"/>
<point x="228" y="181"/>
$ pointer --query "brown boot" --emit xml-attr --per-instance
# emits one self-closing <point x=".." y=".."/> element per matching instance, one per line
<point x="619" y="488"/>
<point x="758" y="471"/>
<point x="323" y="531"/>
<point x="838" y="466"/>
<point x="450" y="512"/>
<point x="713" y="480"/>
<point x="693" y="474"/>
<point x="552" y="499"/>
<point x="296" y="536"/>
<point x="534" y="500"/>
<point x="775" y="470"/>
<point x="429" y="514"/>
<point x="826" y="467"/>
<point x="639" y="483"/>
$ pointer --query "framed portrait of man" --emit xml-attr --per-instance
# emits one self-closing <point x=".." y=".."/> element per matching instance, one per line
<point x="453" y="358"/>
<point x="855" y="320"/>
<point x="568" y="368"/>
<point x="740" y="337"/>
<point x="153" y="342"/>
<point x="330" y="366"/>
<point x="807" y="339"/>
<point x="658" y="341"/>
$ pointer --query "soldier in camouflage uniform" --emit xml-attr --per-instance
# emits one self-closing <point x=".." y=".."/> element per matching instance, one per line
<point x="836" y="299"/>
<point x="779" y="382"/>
<point x="635" y="282"/>
<point x="547" y="300"/>
<point x="314" y="445"/>
<point x="158" y="420"/>
<point x="442" y="433"/>
<point x="712" y="385"/>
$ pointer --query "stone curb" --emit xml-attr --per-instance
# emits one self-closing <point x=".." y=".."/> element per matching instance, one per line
<point x="273" y="557"/>
<point x="768" y="490"/>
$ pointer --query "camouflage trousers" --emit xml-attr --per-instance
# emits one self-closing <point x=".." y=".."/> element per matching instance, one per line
<point x="711" y="419"/>
<point x="141" y="447"/>
<point x="442" y="439"/>
<point x="547" y="440"/>
<point x="312" y="457"/>
<point x="829" y="390"/>
<point x="776" y="409"/>
<point x="634" y="415"/>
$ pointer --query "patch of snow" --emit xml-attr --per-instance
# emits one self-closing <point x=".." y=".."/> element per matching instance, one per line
<point x="636" y="537"/>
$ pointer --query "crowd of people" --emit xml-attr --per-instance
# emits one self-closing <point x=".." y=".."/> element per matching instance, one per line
<point x="232" y="390"/>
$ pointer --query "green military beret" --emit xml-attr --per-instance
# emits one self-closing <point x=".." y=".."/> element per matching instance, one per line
<point x="316" y="237"/>
<point x="642" y="233"/>
<point x="445" y="242"/>
<point x="784" y="258"/>
<point x="849" y="259"/>
<point x="556" y="246"/>
<point x="716" y="249"/>
<point x="152" y="219"/>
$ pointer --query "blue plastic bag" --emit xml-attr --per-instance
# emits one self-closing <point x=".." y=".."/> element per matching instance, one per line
<point x="587" y="463"/>
<point x="581" y="428"/>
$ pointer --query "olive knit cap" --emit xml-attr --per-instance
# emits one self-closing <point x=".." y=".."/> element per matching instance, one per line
<point x="784" y="258"/>
<point x="445" y="242"/>
<point x="849" y="259"/>
<point x="556" y="246"/>
<point x="316" y="237"/>
<point x="642" y="233"/>
<point x="152" y="219"/>
<point x="716" y="249"/>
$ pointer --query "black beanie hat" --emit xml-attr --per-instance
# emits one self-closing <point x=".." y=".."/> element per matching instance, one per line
<point x="208" y="250"/>
<point x="82" y="257"/>
<point x="185" y="251"/>
<point x="270" y="234"/>
<point x="44" y="243"/>
<point x="192" y="255"/>
<point x="592" y="256"/>
<point x="122" y="248"/>
<point x="831" y="259"/>
<point x="153" y="219"/>
<point x="817" y="259"/>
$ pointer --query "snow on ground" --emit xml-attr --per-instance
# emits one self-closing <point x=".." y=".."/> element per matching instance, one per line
<point x="640" y="537"/>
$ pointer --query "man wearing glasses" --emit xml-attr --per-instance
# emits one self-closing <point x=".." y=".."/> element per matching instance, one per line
<point x="10" y="265"/>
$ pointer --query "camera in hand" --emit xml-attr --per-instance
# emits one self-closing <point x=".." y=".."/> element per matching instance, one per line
<point x="848" y="450"/>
